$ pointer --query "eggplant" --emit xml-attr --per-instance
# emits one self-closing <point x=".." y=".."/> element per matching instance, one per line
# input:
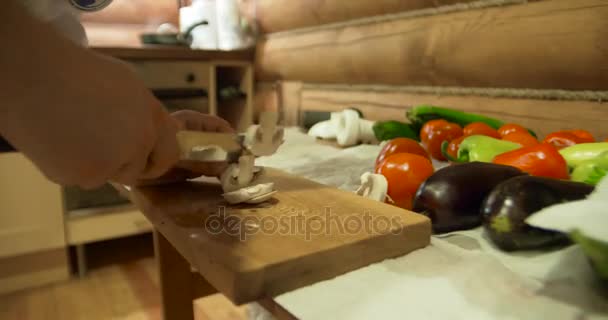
<point x="452" y="196"/>
<point x="506" y="208"/>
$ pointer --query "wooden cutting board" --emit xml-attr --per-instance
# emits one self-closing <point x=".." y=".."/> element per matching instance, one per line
<point x="307" y="233"/>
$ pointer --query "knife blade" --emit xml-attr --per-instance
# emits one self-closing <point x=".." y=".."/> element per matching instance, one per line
<point x="210" y="146"/>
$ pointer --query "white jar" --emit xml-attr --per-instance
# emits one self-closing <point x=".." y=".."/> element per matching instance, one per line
<point x="204" y="36"/>
<point x="230" y="33"/>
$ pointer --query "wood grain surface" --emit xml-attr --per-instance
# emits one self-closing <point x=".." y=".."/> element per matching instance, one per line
<point x="558" y="44"/>
<point x="307" y="233"/>
<point x="124" y="288"/>
<point x="136" y="12"/>
<point x="275" y="16"/>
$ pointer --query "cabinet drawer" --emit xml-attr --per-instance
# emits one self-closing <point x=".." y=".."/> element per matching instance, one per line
<point x="161" y="74"/>
<point x="31" y="208"/>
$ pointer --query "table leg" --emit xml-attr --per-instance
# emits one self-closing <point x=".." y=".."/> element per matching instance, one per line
<point x="81" y="260"/>
<point x="176" y="287"/>
<point x="276" y="310"/>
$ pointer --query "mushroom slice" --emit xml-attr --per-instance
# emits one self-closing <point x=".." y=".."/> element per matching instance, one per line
<point x="253" y="194"/>
<point x="207" y="153"/>
<point x="264" y="139"/>
<point x="238" y="175"/>
<point x="262" y="198"/>
<point x="373" y="186"/>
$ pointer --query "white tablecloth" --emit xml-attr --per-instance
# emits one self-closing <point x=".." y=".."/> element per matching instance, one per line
<point x="459" y="276"/>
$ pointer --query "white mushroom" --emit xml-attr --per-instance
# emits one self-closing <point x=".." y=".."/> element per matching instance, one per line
<point x="261" y="198"/>
<point x="253" y="194"/>
<point x="373" y="186"/>
<point x="347" y="127"/>
<point x="238" y="175"/>
<point x="366" y="131"/>
<point x="264" y="139"/>
<point x="323" y="130"/>
<point x="207" y="153"/>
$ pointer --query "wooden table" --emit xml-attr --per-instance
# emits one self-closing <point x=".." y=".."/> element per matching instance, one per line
<point x="197" y="257"/>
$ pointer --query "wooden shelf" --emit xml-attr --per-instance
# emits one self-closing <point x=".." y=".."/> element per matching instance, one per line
<point x="96" y="224"/>
<point x="236" y="57"/>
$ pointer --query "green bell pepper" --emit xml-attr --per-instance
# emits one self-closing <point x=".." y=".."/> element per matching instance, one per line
<point x="591" y="171"/>
<point x="422" y="114"/>
<point x="581" y="152"/>
<point x="483" y="148"/>
<point x="596" y="251"/>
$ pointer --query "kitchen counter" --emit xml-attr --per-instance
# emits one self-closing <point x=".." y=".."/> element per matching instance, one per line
<point x="174" y="53"/>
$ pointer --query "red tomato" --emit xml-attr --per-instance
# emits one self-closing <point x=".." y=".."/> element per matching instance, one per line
<point x="429" y="127"/>
<point x="562" y="139"/>
<point x="510" y="128"/>
<point x="400" y="145"/>
<point x="405" y="172"/>
<point x="583" y="135"/>
<point x="541" y="160"/>
<point x="523" y="138"/>
<point x="453" y="147"/>
<point x="480" y="128"/>
<point x="435" y="132"/>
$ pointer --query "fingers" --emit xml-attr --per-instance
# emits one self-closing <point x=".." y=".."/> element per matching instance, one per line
<point x="128" y="173"/>
<point x="210" y="169"/>
<point x="196" y="121"/>
<point x="165" y="153"/>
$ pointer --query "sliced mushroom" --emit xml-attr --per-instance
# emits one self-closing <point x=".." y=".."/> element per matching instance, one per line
<point x="261" y="198"/>
<point x="238" y="175"/>
<point x="252" y="194"/>
<point x="264" y="139"/>
<point x="373" y="186"/>
<point x="207" y="153"/>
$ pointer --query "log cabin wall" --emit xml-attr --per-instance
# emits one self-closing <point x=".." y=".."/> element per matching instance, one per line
<point x="543" y="64"/>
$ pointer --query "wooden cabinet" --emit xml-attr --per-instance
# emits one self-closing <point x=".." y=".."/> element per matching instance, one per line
<point x="214" y="82"/>
<point x="31" y="208"/>
<point x="32" y="239"/>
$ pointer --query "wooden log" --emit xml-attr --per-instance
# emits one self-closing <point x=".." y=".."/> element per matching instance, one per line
<point x="265" y="98"/>
<point x="543" y="116"/>
<point x="136" y="12"/>
<point x="275" y="16"/>
<point x="556" y="44"/>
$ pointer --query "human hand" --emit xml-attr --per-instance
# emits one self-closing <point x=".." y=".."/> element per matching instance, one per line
<point x="91" y="121"/>
<point x="195" y="121"/>
<point x="186" y="169"/>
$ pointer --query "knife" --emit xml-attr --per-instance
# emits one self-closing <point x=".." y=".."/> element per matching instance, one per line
<point x="210" y="146"/>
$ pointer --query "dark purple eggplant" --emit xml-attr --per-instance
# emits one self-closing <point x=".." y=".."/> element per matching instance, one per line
<point x="506" y="208"/>
<point x="452" y="196"/>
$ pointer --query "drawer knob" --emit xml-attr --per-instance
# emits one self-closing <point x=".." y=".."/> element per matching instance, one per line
<point x="190" y="77"/>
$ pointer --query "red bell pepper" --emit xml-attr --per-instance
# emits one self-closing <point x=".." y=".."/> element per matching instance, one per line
<point x="542" y="160"/>
<point x="566" y="138"/>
